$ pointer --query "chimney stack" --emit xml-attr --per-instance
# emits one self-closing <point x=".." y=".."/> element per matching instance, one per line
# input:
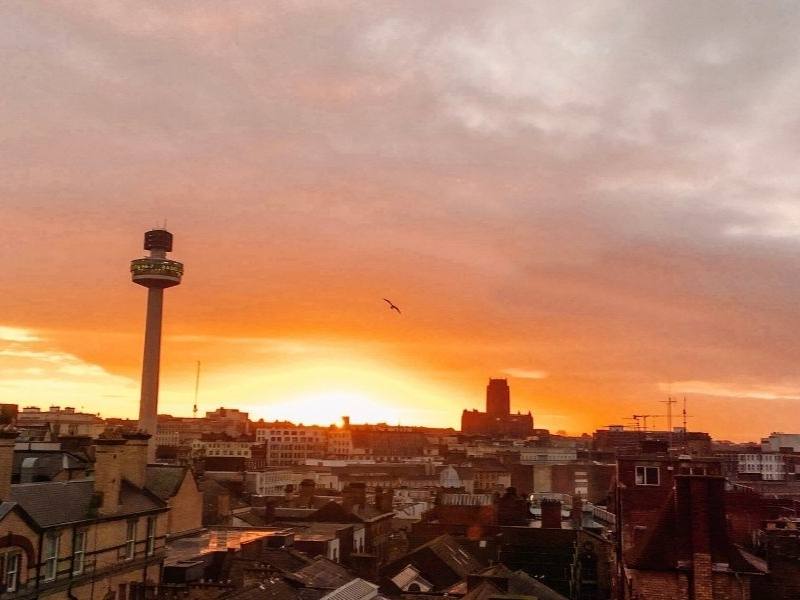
<point x="551" y="513"/>
<point x="134" y="457"/>
<point x="7" y="439"/>
<point x="576" y="512"/>
<point x="306" y="496"/>
<point x="703" y="537"/>
<point x="108" y="473"/>
<point x="384" y="500"/>
<point x="355" y="494"/>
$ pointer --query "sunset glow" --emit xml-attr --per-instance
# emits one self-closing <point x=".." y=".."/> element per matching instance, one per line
<point x="602" y="210"/>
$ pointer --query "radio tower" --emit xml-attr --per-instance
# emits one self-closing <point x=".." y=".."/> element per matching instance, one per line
<point x="155" y="272"/>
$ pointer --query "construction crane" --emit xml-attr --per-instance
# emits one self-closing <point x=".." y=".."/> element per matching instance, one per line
<point x="641" y="420"/>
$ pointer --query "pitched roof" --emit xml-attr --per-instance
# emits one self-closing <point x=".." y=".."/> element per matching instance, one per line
<point x="285" y="559"/>
<point x="45" y="465"/>
<point x="56" y="502"/>
<point x="358" y="589"/>
<point x="452" y="554"/>
<point x="165" y="480"/>
<point x="324" y="573"/>
<point x="518" y="584"/>
<point x="270" y="589"/>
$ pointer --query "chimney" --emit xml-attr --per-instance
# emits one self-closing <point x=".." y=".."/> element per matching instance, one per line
<point x="551" y="513"/>
<point x="306" y="495"/>
<point x="355" y="494"/>
<point x="702" y="534"/>
<point x="263" y="507"/>
<point x="134" y="458"/>
<point x="384" y="500"/>
<point x="576" y="512"/>
<point x="345" y="422"/>
<point x="7" y="439"/>
<point x="107" y="474"/>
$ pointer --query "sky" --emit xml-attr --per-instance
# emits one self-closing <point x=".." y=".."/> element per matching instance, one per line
<point x="598" y="201"/>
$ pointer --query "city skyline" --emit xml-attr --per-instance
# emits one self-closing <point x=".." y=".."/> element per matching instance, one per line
<point x="598" y="204"/>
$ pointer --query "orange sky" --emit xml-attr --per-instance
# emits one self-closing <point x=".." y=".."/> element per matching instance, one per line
<point x="602" y="209"/>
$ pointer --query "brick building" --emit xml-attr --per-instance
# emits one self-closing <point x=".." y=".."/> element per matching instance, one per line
<point x="97" y="537"/>
<point x="497" y="421"/>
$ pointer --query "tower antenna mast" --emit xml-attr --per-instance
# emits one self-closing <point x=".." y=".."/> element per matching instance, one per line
<point x="196" y="390"/>
<point x="669" y="402"/>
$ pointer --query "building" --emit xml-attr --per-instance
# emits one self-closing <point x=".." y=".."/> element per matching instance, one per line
<point x="97" y="537"/>
<point x="686" y="553"/>
<point x="230" y="421"/>
<point x="620" y="440"/>
<point x="57" y="422"/>
<point x="497" y="420"/>
<point x="290" y="444"/>
<point x="764" y="466"/>
<point x="781" y="442"/>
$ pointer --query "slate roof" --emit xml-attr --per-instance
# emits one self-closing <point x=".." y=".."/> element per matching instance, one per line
<point x="285" y="559"/>
<point x="324" y="573"/>
<point x="441" y="561"/>
<point x="519" y="584"/>
<point x="357" y="589"/>
<point x="270" y="589"/>
<point x="45" y="465"/>
<point x="56" y="502"/>
<point x="165" y="480"/>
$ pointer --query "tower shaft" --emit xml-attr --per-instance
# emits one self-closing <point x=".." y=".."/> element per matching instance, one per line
<point x="148" y="405"/>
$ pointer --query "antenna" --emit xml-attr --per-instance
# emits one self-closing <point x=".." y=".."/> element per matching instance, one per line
<point x="669" y="402"/>
<point x="196" y="390"/>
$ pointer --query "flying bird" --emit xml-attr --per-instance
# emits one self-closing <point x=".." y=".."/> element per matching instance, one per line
<point x="392" y="306"/>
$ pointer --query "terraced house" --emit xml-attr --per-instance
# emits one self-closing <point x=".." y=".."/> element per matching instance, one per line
<point x="95" y="538"/>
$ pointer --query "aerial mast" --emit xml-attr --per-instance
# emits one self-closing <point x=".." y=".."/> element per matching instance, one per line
<point x="196" y="390"/>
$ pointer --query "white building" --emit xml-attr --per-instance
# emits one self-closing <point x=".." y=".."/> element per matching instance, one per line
<point x="269" y="482"/>
<point x="771" y="467"/>
<point x="776" y="441"/>
<point x="61" y="421"/>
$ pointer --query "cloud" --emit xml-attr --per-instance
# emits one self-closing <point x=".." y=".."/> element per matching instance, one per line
<point x="728" y="390"/>
<point x="526" y="373"/>
<point x="16" y="334"/>
<point x="32" y="371"/>
<point x="612" y="186"/>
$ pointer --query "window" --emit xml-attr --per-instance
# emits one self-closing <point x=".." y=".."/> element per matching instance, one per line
<point x="130" y="540"/>
<point x="151" y="536"/>
<point x="52" y="543"/>
<point x="647" y="476"/>
<point x="78" y="552"/>
<point x="12" y="569"/>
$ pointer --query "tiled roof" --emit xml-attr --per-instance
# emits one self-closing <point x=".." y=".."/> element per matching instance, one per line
<point x="165" y="480"/>
<point x="450" y="552"/>
<point x="285" y="559"/>
<point x="358" y="589"/>
<point x="519" y="584"/>
<point x="324" y="573"/>
<point x="56" y="502"/>
<point x="45" y="465"/>
<point x="270" y="589"/>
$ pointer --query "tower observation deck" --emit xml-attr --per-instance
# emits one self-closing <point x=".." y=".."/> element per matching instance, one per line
<point x="156" y="272"/>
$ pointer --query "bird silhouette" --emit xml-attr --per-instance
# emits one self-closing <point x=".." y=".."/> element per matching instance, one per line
<point x="392" y="306"/>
